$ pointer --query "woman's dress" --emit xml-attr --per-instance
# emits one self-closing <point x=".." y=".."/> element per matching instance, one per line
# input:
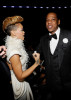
<point x="22" y="90"/>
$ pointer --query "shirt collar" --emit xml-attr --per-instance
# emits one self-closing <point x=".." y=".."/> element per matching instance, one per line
<point x="58" y="32"/>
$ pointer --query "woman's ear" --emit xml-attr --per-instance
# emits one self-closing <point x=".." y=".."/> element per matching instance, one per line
<point x="13" y="33"/>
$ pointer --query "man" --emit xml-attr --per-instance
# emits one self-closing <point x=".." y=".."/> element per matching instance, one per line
<point x="55" y="47"/>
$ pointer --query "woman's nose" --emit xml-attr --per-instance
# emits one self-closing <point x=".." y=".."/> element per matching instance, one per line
<point x="23" y="33"/>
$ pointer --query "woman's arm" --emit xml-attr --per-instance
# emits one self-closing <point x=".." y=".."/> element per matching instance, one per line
<point x="17" y="67"/>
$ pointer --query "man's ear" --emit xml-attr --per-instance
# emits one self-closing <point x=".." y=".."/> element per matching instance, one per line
<point x="59" y="22"/>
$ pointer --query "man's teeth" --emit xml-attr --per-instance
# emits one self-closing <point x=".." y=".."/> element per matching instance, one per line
<point x="50" y="26"/>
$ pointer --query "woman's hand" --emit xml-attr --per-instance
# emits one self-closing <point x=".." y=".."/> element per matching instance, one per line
<point x="36" y="57"/>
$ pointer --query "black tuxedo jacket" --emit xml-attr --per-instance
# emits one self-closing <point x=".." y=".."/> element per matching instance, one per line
<point x="64" y="55"/>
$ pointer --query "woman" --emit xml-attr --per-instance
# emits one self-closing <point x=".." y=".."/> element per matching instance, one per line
<point x="17" y="58"/>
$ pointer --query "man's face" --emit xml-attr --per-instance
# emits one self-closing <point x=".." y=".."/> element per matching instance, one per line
<point x="52" y="22"/>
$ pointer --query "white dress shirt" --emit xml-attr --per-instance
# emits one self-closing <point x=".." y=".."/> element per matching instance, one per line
<point x="54" y="42"/>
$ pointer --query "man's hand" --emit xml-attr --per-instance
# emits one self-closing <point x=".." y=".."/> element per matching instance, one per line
<point x="3" y="51"/>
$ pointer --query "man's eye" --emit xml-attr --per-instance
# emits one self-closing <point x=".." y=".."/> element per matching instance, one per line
<point x="47" y="20"/>
<point x="53" y="19"/>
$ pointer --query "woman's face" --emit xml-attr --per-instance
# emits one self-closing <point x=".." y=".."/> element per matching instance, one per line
<point x="19" y="32"/>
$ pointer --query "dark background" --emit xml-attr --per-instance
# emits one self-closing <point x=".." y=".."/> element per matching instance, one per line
<point x="34" y="22"/>
<point x="36" y="2"/>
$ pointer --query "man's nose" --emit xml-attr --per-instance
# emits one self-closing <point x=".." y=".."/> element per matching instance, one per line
<point x="49" y="21"/>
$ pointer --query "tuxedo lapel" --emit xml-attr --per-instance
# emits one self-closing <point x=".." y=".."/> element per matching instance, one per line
<point x="47" y="49"/>
<point x="60" y="48"/>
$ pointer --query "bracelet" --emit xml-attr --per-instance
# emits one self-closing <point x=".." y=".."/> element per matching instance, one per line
<point x="41" y="63"/>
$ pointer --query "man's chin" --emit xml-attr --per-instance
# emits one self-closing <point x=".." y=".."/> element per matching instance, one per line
<point x="50" y="31"/>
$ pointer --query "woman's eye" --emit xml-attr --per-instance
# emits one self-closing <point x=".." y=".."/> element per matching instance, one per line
<point x="22" y="30"/>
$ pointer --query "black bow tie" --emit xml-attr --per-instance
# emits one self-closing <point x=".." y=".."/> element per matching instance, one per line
<point x="52" y="36"/>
